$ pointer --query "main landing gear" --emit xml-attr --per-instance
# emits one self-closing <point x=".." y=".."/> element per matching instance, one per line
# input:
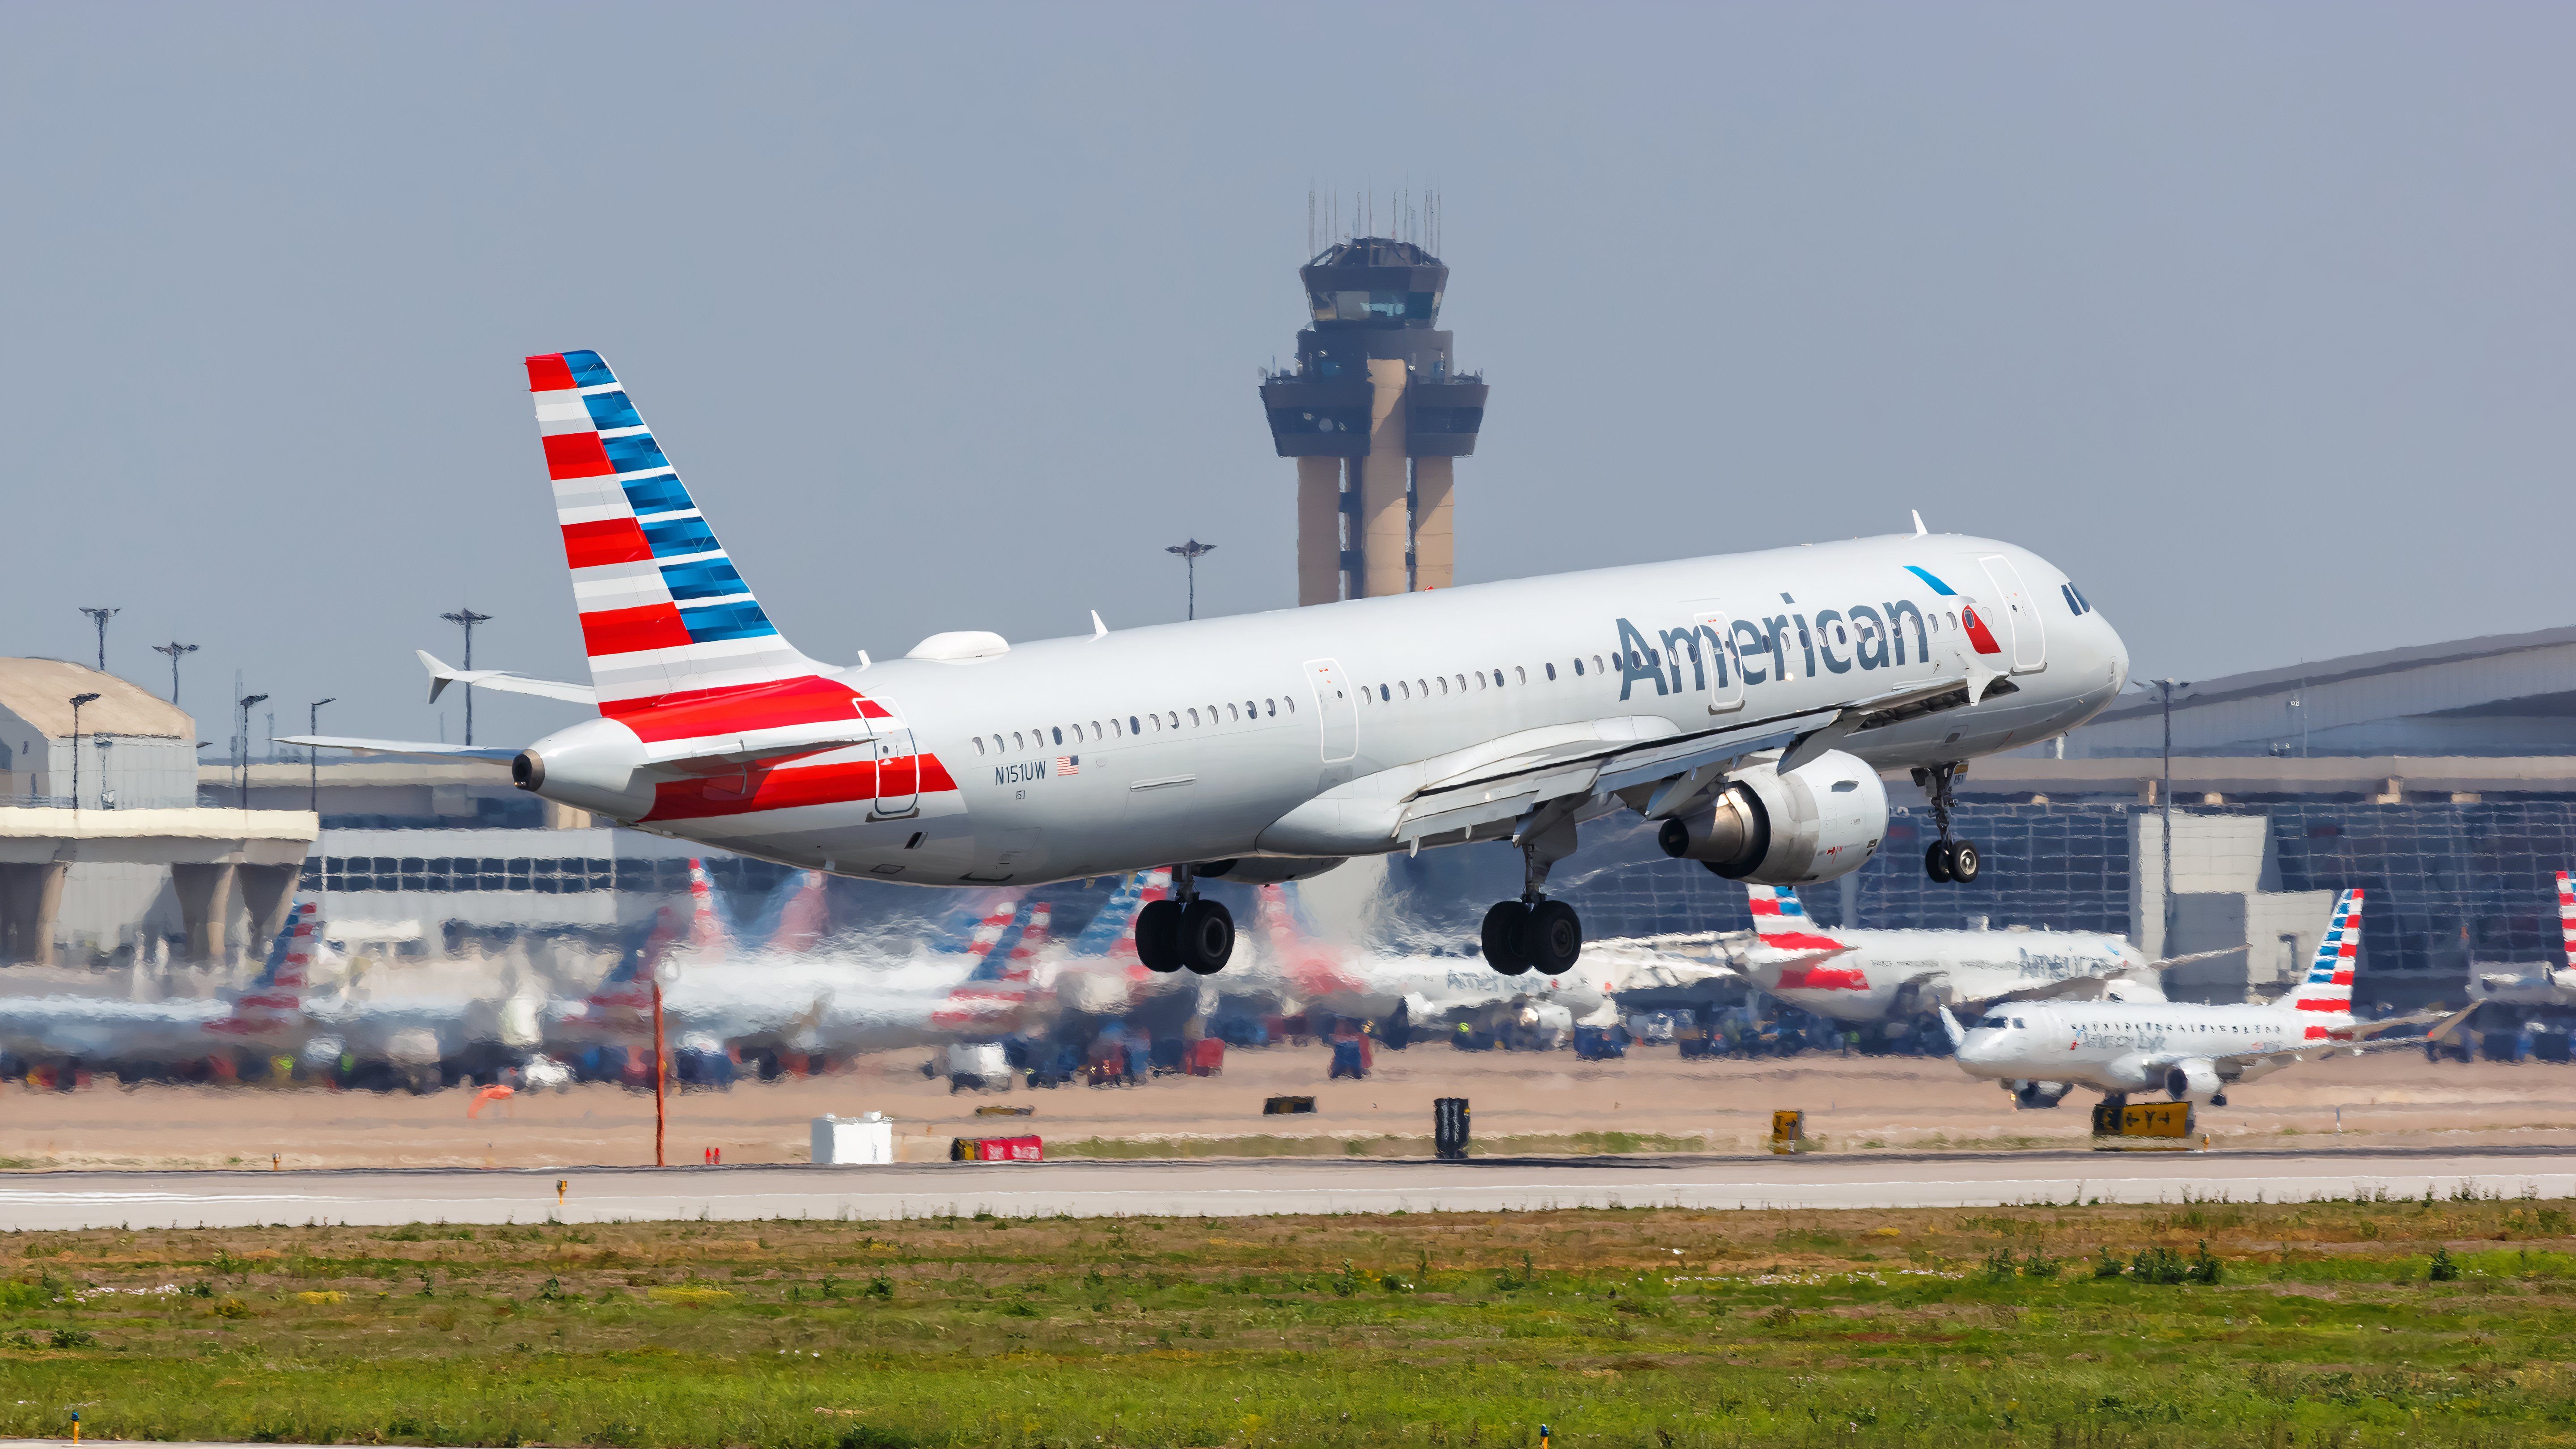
<point x="1533" y="931"/>
<point x="1185" y="930"/>
<point x="1945" y="859"/>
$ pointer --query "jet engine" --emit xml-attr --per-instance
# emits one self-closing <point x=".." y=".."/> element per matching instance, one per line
<point x="1821" y="820"/>
<point x="2195" y="1080"/>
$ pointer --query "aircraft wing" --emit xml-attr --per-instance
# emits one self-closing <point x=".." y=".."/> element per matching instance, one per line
<point x="2163" y="962"/>
<point x="2370" y="1037"/>
<point x="2139" y="984"/>
<point x="419" y="748"/>
<point x="442" y="675"/>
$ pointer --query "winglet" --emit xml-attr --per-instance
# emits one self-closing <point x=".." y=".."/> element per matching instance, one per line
<point x="1950" y="1024"/>
<point x="1919" y="529"/>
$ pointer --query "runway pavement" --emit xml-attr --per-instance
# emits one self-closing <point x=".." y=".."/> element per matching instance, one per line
<point x="1237" y="1188"/>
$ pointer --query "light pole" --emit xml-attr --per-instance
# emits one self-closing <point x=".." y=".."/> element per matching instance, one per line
<point x="77" y="701"/>
<point x="467" y="619"/>
<point x="100" y="617"/>
<point x="1189" y="553"/>
<point x="313" y="753"/>
<point x="2164" y="801"/>
<point x="174" y="649"/>
<point x="241" y="766"/>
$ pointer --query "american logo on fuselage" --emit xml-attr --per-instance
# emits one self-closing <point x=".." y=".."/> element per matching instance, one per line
<point x="1863" y="636"/>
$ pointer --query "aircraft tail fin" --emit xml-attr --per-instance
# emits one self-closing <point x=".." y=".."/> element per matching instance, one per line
<point x="1780" y="921"/>
<point x="2567" y="915"/>
<point x="707" y="934"/>
<point x="1112" y="933"/>
<point x="1022" y="963"/>
<point x="2324" y="1000"/>
<point x="276" y="996"/>
<point x="665" y="616"/>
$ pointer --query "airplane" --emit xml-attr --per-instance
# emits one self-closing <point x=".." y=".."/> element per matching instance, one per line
<point x="1746" y="701"/>
<point x="265" y="1018"/>
<point x="2192" y="1052"/>
<point x="2538" y="984"/>
<point x="1859" y="975"/>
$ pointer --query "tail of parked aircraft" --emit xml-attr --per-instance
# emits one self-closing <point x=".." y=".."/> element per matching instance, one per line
<point x="707" y="934"/>
<point x="2324" y="1000"/>
<point x="1112" y="933"/>
<point x="627" y="989"/>
<point x="1022" y="963"/>
<point x="1780" y="921"/>
<point x="275" y="998"/>
<point x="791" y="919"/>
<point x="2567" y="915"/>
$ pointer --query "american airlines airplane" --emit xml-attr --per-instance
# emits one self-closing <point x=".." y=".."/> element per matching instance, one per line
<point x="2539" y="983"/>
<point x="1878" y="975"/>
<point x="1748" y="701"/>
<point x="2192" y="1052"/>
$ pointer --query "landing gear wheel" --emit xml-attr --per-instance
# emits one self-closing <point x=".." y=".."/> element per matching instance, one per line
<point x="1963" y="861"/>
<point x="1206" y="936"/>
<point x="1936" y="862"/>
<point x="1158" y="936"/>
<point x="1554" y="937"/>
<point x="1506" y="937"/>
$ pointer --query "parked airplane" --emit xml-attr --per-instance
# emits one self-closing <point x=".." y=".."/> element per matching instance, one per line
<point x="147" y="1036"/>
<point x="2191" y="1052"/>
<point x="1879" y="975"/>
<point x="2537" y="984"/>
<point x="1748" y="701"/>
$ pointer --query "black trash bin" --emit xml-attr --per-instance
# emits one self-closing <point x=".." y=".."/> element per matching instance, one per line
<point x="1449" y="1128"/>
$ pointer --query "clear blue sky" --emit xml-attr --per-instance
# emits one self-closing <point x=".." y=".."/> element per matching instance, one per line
<point x="2257" y="318"/>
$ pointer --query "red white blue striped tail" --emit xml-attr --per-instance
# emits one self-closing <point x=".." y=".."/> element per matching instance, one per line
<point x="2327" y="993"/>
<point x="1780" y="921"/>
<point x="2567" y="915"/>
<point x="664" y="613"/>
<point x="275" y="1000"/>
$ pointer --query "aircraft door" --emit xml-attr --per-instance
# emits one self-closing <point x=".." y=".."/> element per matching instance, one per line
<point x="1715" y="641"/>
<point x="1337" y="708"/>
<point x="898" y="771"/>
<point x="2020" y="614"/>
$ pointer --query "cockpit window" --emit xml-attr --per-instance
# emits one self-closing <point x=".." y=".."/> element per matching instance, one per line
<point x="2016" y="1023"/>
<point x="1995" y="1023"/>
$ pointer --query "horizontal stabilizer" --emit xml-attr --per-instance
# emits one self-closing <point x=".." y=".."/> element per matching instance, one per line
<point x="441" y="676"/>
<point x="401" y="747"/>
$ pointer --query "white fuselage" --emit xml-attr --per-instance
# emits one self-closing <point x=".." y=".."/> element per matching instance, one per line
<point x="2117" y="1046"/>
<point x="1304" y="732"/>
<point x="1891" y="973"/>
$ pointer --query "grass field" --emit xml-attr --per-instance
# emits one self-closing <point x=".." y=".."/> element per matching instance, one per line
<point x="2397" y="1323"/>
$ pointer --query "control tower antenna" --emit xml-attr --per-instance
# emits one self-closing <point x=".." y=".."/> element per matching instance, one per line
<point x="1375" y="413"/>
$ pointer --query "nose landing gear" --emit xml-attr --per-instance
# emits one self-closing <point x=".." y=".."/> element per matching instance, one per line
<point x="1185" y="931"/>
<point x="1945" y="859"/>
<point x="1533" y="931"/>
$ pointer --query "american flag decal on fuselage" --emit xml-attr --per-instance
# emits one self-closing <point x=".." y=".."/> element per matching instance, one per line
<point x="679" y="648"/>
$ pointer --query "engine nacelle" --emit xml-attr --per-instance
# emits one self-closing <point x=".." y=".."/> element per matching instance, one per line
<point x="2195" y="1080"/>
<point x="1821" y="820"/>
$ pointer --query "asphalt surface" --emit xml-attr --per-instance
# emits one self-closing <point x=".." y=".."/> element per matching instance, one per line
<point x="1237" y="1188"/>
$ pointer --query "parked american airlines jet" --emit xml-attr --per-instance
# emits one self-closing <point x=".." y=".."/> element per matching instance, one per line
<point x="1867" y="975"/>
<point x="2543" y="983"/>
<point x="2190" y="1052"/>
<point x="1747" y="700"/>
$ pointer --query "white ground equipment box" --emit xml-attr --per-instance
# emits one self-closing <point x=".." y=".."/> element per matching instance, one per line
<point x="843" y="1141"/>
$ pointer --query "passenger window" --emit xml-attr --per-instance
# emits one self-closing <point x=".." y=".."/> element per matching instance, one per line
<point x="1273" y="711"/>
<point x="1444" y="684"/>
<point x="1578" y="668"/>
<point x="1095" y="729"/>
<point x="1250" y="711"/>
<point x="1194" y="716"/>
<point x="1017" y="742"/>
<point x="1059" y="737"/>
<point x="1519" y="675"/>
<point x="1175" y="718"/>
<point x="1229" y="712"/>
<point x="1381" y="694"/>
<point x="1131" y="726"/>
<point x="1424" y="686"/>
<point x="1597" y="665"/>
<point x="979" y="744"/>
<point x="1404" y="689"/>
<point x="1551" y="671"/>
<point x="1954" y="620"/>
<point x="1462" y="684"/>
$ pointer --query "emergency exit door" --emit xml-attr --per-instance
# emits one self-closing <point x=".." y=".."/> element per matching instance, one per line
<point x="2020" y="614"/>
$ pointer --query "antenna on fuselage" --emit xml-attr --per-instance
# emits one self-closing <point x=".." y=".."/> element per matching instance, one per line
<point x="1919" y="529"/>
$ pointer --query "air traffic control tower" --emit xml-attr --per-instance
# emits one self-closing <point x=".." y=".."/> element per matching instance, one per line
<point x="1373" y="413"/>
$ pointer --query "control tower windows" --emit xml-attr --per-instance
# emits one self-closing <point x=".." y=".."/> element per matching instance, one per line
<point x="1374" y="306"/>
